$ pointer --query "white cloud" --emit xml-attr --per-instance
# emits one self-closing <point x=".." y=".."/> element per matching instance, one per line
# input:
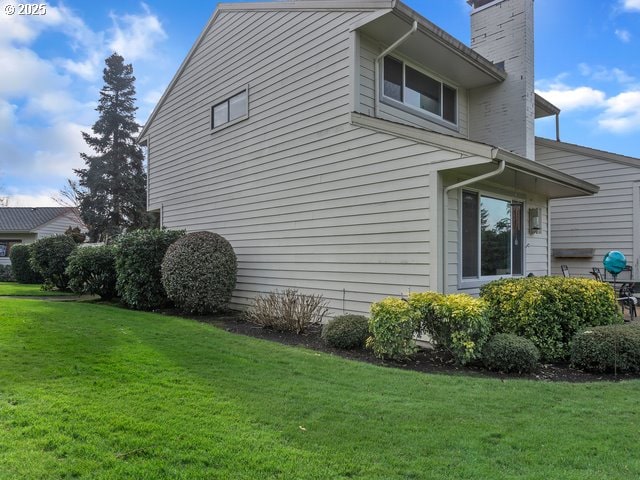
<point x="622" y="113"/>
<point x="631" y="5"/>
<point x="135" y="36"/>
<point x="603" y="74"/>
<point x="623" y="35"/>
<point x="24" y="72"/>
<point x="568" y="98"/>
<point x="38" y="198"/>
<point x="7" y="115"/>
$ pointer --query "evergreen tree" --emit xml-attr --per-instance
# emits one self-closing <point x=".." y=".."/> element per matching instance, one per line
<point x="111" y="189"/>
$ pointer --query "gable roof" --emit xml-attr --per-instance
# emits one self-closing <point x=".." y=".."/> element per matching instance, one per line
<point x="27" y="219"/>
<point x="589" y="152"/>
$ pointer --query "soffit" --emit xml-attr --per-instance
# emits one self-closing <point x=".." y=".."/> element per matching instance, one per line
<point x="433" y="48"/>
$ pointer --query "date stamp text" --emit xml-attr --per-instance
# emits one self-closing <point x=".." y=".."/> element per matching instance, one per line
<point x="26" y="9"/>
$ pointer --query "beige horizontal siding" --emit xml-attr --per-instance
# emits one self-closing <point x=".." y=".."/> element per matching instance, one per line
<point x="307" y="200"/>
<point x="603" y="221"/>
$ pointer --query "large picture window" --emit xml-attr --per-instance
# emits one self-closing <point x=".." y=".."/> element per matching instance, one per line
<point x="492" y="236"/>
<point x="418" y="90"/>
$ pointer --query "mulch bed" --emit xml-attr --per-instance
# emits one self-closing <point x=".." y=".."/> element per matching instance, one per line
<point x="427" y="360"/>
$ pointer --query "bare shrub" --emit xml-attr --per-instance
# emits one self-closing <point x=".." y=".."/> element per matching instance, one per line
<point x="287" y="311"/>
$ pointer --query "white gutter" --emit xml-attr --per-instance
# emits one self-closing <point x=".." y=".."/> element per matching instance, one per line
<point x="376" y="64"/>
<point x="445" y="205"/>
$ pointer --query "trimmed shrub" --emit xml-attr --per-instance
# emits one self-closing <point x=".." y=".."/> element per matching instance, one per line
<point x="92" y="271"/>
<point x="139" y="256"/>
<point x="393" y="326"/>
<point x="288" y="311"/>
<point x="346" y="331"/>
<point x="549" y="311"/>
<point x="610" y="348"/>
<point x="6" y="274"/>
<point x="199" y="272"/>
<point x="21" y="265"/>
<point x="507" y="353"/>
<point x="49" y="257"/>
<point x="457" y="323"/>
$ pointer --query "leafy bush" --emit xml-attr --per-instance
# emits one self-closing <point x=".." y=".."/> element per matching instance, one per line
<point x="6" y="274"/>
<point x="92" y="270"/>
<point x="49" y="257"/>
<point x="346" y="331"/>
<point x="288" y="311"/>
<point x="76" y="234"/>
<point x="21" y="265"/>
<point x="456" y="323"/>
<point x="393" y="326"/>
<point x="199" y="272"/>
<point x="505" y="352"/>
<point x="139" y="256"/>
<point x="610" y="348"/>
<point x="549" y="311"/>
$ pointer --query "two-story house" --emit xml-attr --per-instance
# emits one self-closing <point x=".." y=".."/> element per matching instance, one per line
<point x="354" y="149"/>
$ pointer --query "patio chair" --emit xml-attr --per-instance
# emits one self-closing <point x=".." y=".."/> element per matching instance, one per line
<point x="565" y="270"/>
<point x="627" y="299"/>
<point x="597" y="274"/>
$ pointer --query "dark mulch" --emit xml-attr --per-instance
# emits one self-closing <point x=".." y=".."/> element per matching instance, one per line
<point x="427" y="360"/>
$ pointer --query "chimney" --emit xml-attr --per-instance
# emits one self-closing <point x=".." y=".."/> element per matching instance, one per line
<point x="503" y="115"/>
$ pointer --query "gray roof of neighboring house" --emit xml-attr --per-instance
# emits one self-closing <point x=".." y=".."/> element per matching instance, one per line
<point x="27" y="219"/>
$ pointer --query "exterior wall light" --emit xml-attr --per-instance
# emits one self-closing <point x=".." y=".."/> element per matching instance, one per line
<point x="535" y="220"/>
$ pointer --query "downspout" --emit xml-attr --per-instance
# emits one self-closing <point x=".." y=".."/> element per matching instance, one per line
<point x="445" y="205"/>
<point x="376" y="64"/>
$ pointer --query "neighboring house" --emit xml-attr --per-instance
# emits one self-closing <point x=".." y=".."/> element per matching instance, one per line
<point x="583" y="230"/>
<point x="354" y="149"/>
<point x="26" y="225"/>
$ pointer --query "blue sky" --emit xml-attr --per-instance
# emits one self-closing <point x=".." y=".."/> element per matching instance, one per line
<point x="587" y="63"/>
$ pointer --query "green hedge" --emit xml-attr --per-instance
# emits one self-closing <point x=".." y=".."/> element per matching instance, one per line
<point x="92" y="271"/>
<point x="6" y="274"/>
<point x="506" y="353"/>
<point x="549" y="311"/>
<point x="49" y="257"/>
<point x="346" y="331"/>
<point x="610" y="348"/>
<point x="21" y="265"/>
<point x="199" y="272"/>
<point x="456" y="323"/>
<point x="139" y="256"/>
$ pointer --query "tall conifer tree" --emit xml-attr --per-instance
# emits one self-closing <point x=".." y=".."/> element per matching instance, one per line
<point x="111" y="189"/>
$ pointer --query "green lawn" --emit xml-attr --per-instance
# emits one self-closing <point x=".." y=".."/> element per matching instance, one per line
<point x="24" y="290"/>
<point x="94" y="391"/>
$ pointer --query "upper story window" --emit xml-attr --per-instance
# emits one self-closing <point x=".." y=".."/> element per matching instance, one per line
<point x="231" y="109"/>
<point x="418" y="90"/>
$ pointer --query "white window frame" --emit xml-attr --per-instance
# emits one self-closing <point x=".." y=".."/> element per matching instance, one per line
<point x="476" y="282"/>
<point x="415" y="110"/>
<point x="225" y="99"/>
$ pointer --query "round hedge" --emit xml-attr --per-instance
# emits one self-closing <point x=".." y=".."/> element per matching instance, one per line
<point x="506" y="353"/>
<point x="21" y="266"/>
<point x="610" y="348"/>
<point x="346" y="331"/>
<point x="199" y="272"/>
